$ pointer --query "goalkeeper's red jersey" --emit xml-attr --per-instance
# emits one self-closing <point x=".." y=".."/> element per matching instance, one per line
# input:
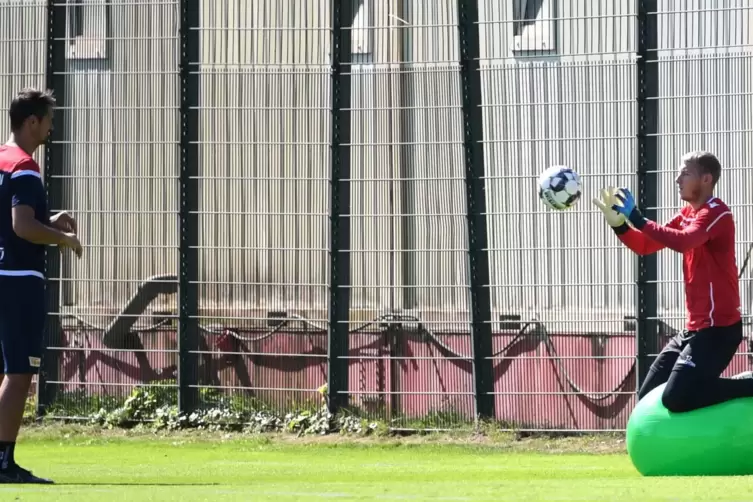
<point x="706" y="239"/>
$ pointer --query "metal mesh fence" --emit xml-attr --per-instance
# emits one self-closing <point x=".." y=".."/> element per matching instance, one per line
<point x="409" y="251"/>
<point x="264" y="182"/>
<point x="558" y="83"/>
<point x="119" y="177"/>
<point x="562" y="91"/>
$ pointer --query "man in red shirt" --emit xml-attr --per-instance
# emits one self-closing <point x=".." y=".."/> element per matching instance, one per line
<point x="704" y="232"/>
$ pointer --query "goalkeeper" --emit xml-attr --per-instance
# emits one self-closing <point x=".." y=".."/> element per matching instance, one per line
<point x="704" y="233"/>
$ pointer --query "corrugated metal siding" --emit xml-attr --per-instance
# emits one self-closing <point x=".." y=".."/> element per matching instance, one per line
<point x="23" y="52"/>
<point x="92" y="190"/>
<point x="265" y="116"/>
<point x="573" y="106"/>
<point x="436" y="232"/>
<point x="265" y="155"/>
<point x="540" y="114"/>
<point x="434" y="161"/>
<point x="585" y="30"/>
<point x="289" y="136"/>
<point x="576" y="107"/>
<point x="123" y="130"/>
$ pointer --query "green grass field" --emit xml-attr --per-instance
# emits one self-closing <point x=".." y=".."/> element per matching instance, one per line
<point x="200" y="466"/>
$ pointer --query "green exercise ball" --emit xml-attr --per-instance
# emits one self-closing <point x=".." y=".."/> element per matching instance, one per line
<point x="712" y="441"/>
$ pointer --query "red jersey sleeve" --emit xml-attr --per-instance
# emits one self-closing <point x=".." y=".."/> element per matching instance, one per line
<point x="25" y="183"/>
<point x="641" y="243"/>
<point x="710" y="222"/>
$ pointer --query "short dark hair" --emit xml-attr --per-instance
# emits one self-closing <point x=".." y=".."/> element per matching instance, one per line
<point x="707" y="163"/>
<point x="30" y="102"/>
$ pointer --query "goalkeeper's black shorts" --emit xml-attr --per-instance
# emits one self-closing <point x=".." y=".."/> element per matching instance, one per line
<point x="691" y="364"/>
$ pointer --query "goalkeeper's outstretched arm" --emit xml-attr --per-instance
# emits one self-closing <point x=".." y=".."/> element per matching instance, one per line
<point x="708" y="223"/>
<point x="638" y="242"/>
<point x="711" y="220"/>
<point x="635" y="240"/>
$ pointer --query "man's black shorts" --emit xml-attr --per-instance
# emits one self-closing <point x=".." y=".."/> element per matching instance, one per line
<point x="707" y="351"/>
<point x="22" y="319"/>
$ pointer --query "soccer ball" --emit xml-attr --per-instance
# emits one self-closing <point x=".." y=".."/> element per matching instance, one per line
<point x="559" y="187"/>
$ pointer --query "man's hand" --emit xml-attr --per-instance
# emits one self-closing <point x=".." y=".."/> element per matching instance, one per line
<point x="64" y="222"/>
<point x="72" y="242"/>
<point x="605" y="203"/>
<point x="625" y="205"/>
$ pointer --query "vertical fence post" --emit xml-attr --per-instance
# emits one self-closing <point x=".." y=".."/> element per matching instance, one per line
<point x="188" y="294"/>
<point x="475" y="190"/>
<point x="339" y="301"/>
<point x="648" y="162"/>
<point x="54" y="159"/>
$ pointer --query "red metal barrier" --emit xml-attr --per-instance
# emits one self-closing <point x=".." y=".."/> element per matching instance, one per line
<point x="551" y="383"/>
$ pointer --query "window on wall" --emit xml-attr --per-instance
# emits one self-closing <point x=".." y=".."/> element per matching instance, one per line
<point x="87" y="29"/>
<point x="534" y="25"/>
<point x="362" y="34"/>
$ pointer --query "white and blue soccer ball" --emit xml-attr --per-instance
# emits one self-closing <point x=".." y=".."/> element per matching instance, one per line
<point x="559" y="187"/>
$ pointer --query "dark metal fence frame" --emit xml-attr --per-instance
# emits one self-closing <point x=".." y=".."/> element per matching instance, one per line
<point x="648" y="196"/>
<point x="343" y="13"/>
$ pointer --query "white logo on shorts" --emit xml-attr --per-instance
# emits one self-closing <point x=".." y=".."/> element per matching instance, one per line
<point x="35" y="362"/>
<point x="687" y="360"/>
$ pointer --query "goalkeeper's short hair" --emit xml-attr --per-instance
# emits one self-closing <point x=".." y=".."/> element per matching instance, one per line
<point x="707" y="163"/>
